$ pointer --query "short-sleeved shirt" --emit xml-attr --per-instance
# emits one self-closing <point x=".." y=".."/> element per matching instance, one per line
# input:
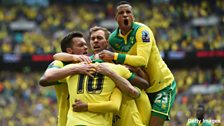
<point x="92" y="90"/>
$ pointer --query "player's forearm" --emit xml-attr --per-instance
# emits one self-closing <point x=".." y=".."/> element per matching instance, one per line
<point x="140" y="82"/>
<point x="43" y="82"/>
<point x="132" y="60"/>
<point x="110" y="106"/>
<point x="102" y="107"/>
<point x="52" y="75"/>
<point x="124" y="85"/>
<point x="66" y="57"/>
<point x="51" y="78"/>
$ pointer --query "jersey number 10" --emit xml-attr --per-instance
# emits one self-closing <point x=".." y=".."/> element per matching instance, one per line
<point x="94" y="85"/>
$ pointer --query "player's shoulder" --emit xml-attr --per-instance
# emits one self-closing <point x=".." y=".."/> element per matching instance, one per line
<point x="143" y="29"/>
<point x="143" y="26"/>
<point x="56" y="63"/>
<point x="114" y="66"/>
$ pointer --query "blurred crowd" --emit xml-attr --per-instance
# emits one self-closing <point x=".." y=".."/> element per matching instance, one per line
<point x="173" y="25"/>
<point x="24" y="103"/>
<point x="187" y="102"/>
<point x="186" y="109"/>
<point x="197" y="75"/>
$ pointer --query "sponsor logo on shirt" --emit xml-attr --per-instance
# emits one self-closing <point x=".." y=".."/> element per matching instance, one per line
<point x="145" y="36"/>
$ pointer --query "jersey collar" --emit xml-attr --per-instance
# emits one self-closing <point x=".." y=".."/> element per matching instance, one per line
<point x="95" y="60"/>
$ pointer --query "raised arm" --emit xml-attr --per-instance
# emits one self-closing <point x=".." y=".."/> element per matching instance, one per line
<point x="66" y="57"/>
<point x="110" y="106"/>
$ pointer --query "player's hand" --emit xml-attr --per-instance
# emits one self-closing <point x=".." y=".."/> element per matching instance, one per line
<point x="83" y="68"/>
<point x="81" y="58"/>
<point x="106" y="55"/>
<point x="87" y="69"/>
<point x="79" y="106"/>
<point x="103" y="69"/>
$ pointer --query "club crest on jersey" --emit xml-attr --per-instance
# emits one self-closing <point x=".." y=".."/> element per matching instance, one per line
<point x="145" y="36"/>
<point x="132" y="39"/>
<point x="117" y="45"/>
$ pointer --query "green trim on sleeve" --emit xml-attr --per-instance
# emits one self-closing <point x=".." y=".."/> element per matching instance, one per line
<point x="121" y="58"/>
<point x="54" y="67"/>
<point x="159" y="115"/>
<point x="115" y="56"/>
<point x="132" y="77"/>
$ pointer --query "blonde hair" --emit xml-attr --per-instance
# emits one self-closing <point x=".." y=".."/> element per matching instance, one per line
<point x="96" y="28"/>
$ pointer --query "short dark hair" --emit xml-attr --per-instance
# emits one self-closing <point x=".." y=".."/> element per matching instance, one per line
<point x="201" y="106"/>
<point x="200" y="112"/>
<point x="96" y="28"/>
<point x="66" y="42"/>
<point x="122" y="2"/>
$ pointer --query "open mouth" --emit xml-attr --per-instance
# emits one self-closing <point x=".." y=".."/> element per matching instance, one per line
<point x="126" y="22"/>
<point x="85" y="53"/>
<point x="96" y="47"/>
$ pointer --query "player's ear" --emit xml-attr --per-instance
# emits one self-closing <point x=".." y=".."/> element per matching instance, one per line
<point x="69" y="50"/>
<point x="107" y="42"/>
<point x="115" y="17"/>
<point x="108" y="46"/>
<point x="133" y="17"/>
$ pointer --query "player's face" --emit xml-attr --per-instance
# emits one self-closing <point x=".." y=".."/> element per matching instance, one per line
<point x="79" y="46"/>
<point x="98" y="42"/>
<point x="124" y="16"/>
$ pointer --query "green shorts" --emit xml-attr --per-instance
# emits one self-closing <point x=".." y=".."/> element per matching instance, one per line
<point x="162" y="101"/>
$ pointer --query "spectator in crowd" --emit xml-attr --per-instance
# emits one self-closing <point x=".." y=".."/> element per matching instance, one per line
<point x="200" y="119"/>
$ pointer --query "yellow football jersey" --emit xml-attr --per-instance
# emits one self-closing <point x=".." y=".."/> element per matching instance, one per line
<point x="145" y="111"/>
<point x="138" y="48"/>
<point x="61" y="89"/>
<point x="128" y="114"/>
<point x="95" y="89"/>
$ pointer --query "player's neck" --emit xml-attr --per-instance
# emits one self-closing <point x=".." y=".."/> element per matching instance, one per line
<point x="124" y="31"/>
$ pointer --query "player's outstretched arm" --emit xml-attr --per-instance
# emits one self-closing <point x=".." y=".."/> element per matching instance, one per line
<point x="52" y="75"/>
<point x="109" y="106"/>
<point x="133" y="60"/>
<point x="66" y="57"/>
